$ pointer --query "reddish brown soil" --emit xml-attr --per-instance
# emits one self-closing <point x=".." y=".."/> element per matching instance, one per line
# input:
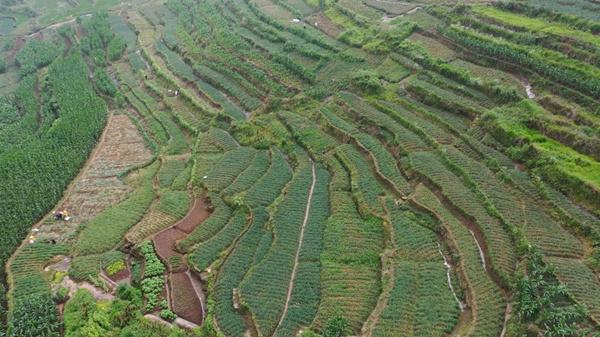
<point x="164" y="243"/>
<point x="184" y="299"/>
<point x="122" y="275"/>
<point x="197" y="215"/>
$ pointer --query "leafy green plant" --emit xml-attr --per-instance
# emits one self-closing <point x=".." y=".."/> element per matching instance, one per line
<point x="115" y="267"/>
<point x="168" y="315"/>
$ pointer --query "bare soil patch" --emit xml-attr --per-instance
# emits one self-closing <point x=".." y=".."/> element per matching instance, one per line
<point x="164" y="243"/>
<point x="196" y="216"/>
<point x="184" y="299"/>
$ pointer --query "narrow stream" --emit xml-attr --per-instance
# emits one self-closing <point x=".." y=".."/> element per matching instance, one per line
<point x="481" y="256"/>
<point x="528" y="89"/>
<point x="448" y="266"/>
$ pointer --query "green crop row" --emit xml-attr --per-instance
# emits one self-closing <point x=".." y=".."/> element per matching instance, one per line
<point x="223" y="58"/>
<point x="107" y="229"/>
<point x="385" y="162"/>
<point x="226" y="170"/>
<point x="210" y="226"/>
<point x="207" y="252"/>
<point x="350" y="263"/>
<point x="306" y="296"/>
<point x="365" y="185"/>
<point x="216" y="140"/>
<point x="186" y="72"/>
<point x="580" y="282"/>
<point x="265" y="288"/>
<point x="169" y="171"/>
<point x="218" y="80"/>
<point x="556" y="67"/>
<point x="175" y="203"/>
<point x="438" y="97"/>
<point x="497" y="239"/>
<point x="32" y="310"/>
<point x="420" y="300"/>
<point x="271" y="184"/>
<point x="231" y="273"/>
<point x="19" y="114"/>
<point x="308" y="133"/>
<point x="251" y="174"/>
<point x="407" y="140"/>
<point x="152" y="223"/>
<point x="85" y="268"/>
<point x="487" y="301"/>
<point x="539" y="227"/>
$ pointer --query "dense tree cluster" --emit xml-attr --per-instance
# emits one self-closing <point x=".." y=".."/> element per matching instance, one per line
<point x="36" y="54"/>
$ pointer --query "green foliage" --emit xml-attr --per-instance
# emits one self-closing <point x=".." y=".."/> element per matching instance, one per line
<point x="235" y="266"/>
<point x="153" y="265"/>
<point x="2" y="66"/>
<point x="86" y="267"/>
<point x="107" y="229"/>
<point x="36" y="173"/>
<point x="169" y="172"/>
<point x="269" y="186"/>
<point x="335" y="327"/>
<point x="175" y="203"/>
<point x="84" y="317"/>
<point x="488" y="86"/>
<point x="367" y="81"/>
<point x="228" y="168"/>
<point x="116" y="48"/>
<point x="567" y="72"/>
<point x="61" y="295"/>
<point x="153" y="283"/>
<point x="115" y="267"/>
<point x="541" y="299"/>
<point x="36" y="54"/>
<point x="33" y="316"/>
<point x="168" y="315"/>
<point x="272" y="275"/>
<point x="104" y="83"/>
<point x="207" y="252"/>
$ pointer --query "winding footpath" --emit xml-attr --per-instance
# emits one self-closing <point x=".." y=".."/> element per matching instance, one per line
<point x="297" y="257"/>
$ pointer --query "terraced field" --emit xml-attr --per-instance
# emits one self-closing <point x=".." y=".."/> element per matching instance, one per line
<point x="259" y="168"/>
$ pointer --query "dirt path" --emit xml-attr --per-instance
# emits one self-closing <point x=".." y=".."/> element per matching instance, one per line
<point x="300" y="241"/>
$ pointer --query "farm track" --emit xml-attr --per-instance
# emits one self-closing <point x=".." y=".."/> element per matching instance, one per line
<point x="300" y="241"/>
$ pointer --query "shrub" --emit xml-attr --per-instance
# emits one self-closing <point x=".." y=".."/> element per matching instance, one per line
<point x="61" y="295"/>
<point x="367" y="81"/>
<point x="115" y="267"/>
<point x="104" y="83"/>
<point x="115" y="48"/>
<point x="168" y="315"/>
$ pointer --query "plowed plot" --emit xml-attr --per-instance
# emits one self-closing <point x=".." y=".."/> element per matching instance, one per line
<point x="98" y="186"/>
<point x="184" y="299"/>
<point x="165" y="241"/>
<point x="198" y="214"/>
